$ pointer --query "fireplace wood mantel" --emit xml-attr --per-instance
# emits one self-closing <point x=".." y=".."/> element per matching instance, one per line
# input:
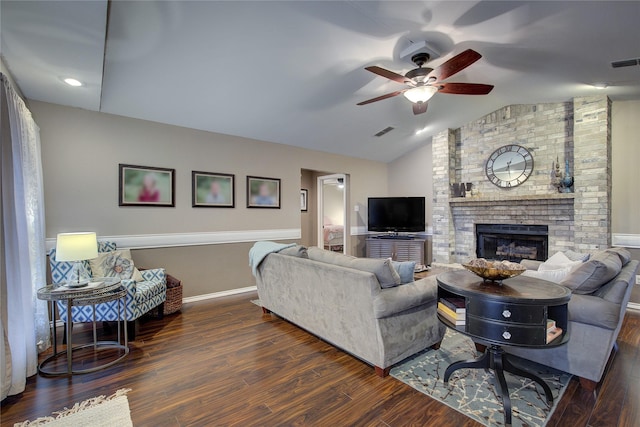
<point x="500" y="199"/>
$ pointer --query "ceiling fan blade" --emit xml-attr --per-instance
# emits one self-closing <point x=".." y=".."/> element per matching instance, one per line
<point x="388" y="74"/>
<point x="455" y="64"/>
<point x="465" y="88"/>
<point x="419" y="108"/>
<point x="380" y="98"/>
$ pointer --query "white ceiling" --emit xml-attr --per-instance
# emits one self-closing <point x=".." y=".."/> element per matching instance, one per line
<point x="292" y="72"/>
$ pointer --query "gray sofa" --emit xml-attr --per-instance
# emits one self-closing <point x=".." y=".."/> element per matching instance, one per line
<point x="600" y="288"/>
<point x="340" y="299"/>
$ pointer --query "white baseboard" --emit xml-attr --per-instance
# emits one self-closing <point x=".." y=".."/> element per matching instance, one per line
<point x="218" y="294"/>
<point x="148" y="241"/>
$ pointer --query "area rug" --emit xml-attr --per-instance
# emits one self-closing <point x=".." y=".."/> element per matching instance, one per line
<point x="101" y="411"/>
<point x="473" y="392"/>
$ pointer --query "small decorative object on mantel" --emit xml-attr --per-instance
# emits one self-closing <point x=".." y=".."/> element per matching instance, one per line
<point x="564" y="183"/>
<point x="461" y="189"/>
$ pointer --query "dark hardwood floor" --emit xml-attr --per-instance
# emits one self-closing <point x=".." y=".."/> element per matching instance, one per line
<point x="222" y="362"/>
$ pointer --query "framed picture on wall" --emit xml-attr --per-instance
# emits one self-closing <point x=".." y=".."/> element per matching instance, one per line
<point x="263" y="192"/>
<point x="212" y="190"/>
<point x="146" y="186"/>
<point x="304" y="195"/>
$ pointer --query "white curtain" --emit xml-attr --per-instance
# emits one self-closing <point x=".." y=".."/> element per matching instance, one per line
<point x="24" y="320"/>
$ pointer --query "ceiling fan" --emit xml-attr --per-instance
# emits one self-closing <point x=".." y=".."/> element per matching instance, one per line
<point x="425" y="82"/>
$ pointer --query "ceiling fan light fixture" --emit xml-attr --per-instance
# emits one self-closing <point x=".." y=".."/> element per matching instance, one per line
<point x="601" y="85"/>
<point x="420" y="93"/>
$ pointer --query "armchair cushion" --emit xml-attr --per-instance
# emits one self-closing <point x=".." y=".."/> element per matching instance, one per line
<point x="115" y="264"/>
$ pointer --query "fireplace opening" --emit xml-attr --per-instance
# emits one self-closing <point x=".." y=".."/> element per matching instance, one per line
<point x="512" y="242"/>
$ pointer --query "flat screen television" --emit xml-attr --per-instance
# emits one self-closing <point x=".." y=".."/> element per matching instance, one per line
<point x="396" y="214"/>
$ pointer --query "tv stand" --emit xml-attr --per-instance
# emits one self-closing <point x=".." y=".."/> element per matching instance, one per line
<point x="398" y="248"/>
<point x="394" y="237"/>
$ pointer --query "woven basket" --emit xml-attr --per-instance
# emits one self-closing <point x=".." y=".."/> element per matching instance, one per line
<point x="173" y="302"/>
<point x="174" y="299"/>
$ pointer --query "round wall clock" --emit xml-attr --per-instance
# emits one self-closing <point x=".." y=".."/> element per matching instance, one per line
<point x="509" y="166"/>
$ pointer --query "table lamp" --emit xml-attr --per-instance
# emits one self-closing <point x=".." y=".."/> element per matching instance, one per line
<point x="76" y="247"/>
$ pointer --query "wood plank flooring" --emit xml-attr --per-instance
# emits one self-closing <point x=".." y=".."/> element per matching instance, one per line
<point x="223" y="363"/>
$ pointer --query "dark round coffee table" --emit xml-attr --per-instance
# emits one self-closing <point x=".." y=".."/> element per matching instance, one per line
<point x="513" y="312"/>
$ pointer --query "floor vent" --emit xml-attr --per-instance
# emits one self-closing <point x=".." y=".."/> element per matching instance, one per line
<point x="625" y="63"/>
<point x="384" y="131"/>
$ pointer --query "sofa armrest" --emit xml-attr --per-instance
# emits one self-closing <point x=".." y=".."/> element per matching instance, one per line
<point x="531" y="264"/>
<point x="593" y="310"/>
<point x="403" y="297"/>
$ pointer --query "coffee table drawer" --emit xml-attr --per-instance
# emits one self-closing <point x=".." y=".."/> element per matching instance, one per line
<point x="505" y="312"/>
<point x="506" y="333"/>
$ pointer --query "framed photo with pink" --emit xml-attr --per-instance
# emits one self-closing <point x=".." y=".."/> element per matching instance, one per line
<point x="146" y="186"/>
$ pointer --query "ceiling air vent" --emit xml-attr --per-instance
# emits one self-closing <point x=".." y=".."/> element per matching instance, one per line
<point x="625" y="63"/>
<point x="384" y="131"/>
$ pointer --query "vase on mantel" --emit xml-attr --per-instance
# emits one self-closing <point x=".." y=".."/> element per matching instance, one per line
<point x="565" y="183"/>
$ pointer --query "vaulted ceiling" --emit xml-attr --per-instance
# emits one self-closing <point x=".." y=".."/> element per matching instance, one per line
<point x="292" y="72"/>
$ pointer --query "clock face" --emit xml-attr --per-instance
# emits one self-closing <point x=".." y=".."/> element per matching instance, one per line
<point x="509" y="166"/>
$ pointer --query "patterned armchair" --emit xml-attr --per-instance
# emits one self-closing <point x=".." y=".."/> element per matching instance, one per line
<point x="141" y="296"/>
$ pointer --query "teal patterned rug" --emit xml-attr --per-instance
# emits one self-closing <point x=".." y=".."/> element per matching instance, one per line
<point x="473" y="391"/>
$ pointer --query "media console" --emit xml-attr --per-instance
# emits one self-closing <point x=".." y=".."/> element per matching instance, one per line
<point x="398" y="248"/>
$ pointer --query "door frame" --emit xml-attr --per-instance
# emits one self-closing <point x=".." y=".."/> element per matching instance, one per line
<point x="346" y="246"/>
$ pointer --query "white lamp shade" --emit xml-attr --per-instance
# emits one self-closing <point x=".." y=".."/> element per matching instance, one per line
<point x="420" y="93"/>
<point x="76" y="246"/>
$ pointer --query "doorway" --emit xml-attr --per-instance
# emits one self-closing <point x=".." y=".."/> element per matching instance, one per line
<point x="333" y="213"/>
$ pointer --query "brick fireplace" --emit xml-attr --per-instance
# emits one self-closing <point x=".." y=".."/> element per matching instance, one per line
<point x="577" y="132"/>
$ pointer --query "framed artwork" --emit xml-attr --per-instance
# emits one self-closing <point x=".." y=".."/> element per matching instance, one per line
<point x="263" y="192"/>
<point x="146" y="186"/>
<point x="212" y="190"/>
<point x="304" y="195"/>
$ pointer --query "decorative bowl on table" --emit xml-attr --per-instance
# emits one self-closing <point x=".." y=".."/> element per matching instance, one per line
<point x="494" y="271"/>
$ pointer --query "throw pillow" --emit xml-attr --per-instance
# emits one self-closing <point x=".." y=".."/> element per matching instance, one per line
<point x="576" y="256"/>
<point x="385" y="273"/>
<point x="328" y="257"/>
<point x="555" y="276"/>
<point x="591" y="275"/>
<point x="382" y="268"/>
<point x="558" y="261"/>
<point x="298" y="251"/>
<point x="115" y="264"/>
<point x="405" y="270"/>
<point x="625" y="255"/>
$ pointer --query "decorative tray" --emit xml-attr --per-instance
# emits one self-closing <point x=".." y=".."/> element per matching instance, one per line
<point x="494" y="270"/>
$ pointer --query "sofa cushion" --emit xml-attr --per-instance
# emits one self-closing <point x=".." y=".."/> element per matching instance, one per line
<point x="591" y="275"/>
<point x="382" y="268"/>
<point x="405" y="270"/>
<point x="298" y="251"/>
<point x="625" y="255"/>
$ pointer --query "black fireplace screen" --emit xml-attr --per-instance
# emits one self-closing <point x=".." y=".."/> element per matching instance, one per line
<point x="512" y="242"/>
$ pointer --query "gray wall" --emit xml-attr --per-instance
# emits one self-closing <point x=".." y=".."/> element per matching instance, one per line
<point x="81" y="151"/>
<point x="412" y="176"/>
<point x="625" y="152"/>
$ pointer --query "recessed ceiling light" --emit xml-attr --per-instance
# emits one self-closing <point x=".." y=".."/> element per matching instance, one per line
<point x="73" y="82"/>
<point x="601" y="85"/>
